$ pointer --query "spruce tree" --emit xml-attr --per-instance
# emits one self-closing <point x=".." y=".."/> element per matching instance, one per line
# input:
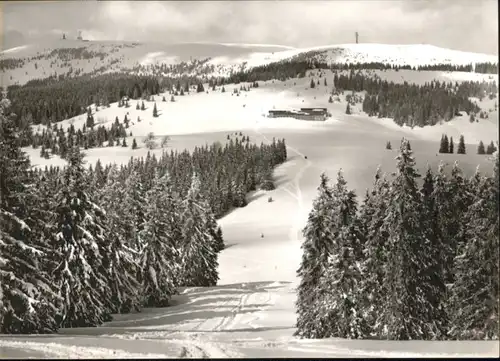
<point x="444" y="146"/>
<point x="445" y="216"/>
<point x="457" y="200"/>
<point x="215" y="232"/>
<point x="155" y="111"/>
<point x="219" y="240"/>
<point x="491" y="148"/>
<point x="317" y="247"/>
<point x="28" y="299"/>
<point x="198" y="253"/>
<point x="340" y="311"/>
<point x="134" y="203"/>
<point x="123" y="269"/>
<point x="83" y="268"/>
<point x="408" y="315"/>
<point x="159" y="252"/>
<point x="461" y="145"/>
<point x="90" y="118"/>
<point x="374" y="289"/>
<point x="474" y="294"/>
<point x="480" y="148"/>
<point x="435" y="268"/>
<point x="134" y="144"/>
<point x="452" y="146"/>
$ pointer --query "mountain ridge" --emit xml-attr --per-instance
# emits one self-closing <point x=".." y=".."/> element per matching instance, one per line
<point x="41" y="60"/>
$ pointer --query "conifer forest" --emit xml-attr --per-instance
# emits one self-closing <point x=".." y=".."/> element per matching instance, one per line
<point x="416" y="259"/>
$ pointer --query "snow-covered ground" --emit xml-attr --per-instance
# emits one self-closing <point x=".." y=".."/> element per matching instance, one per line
<point x="251" y="312"/>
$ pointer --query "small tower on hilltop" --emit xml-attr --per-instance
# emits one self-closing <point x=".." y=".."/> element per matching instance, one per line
<point x="64" y="36"/>
<point x="357" y="37"/>
<point x="79" y="35"/>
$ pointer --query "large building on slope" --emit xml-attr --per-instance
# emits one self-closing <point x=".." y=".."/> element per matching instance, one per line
<point x="317" y="114"/>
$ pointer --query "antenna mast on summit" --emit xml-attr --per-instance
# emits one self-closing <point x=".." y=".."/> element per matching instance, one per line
<point x="357" y="37"/>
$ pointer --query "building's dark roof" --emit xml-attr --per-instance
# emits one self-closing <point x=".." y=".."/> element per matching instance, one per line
<point x="315" y="109"/>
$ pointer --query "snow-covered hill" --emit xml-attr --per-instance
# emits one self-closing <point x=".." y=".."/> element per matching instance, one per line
<point x="212" y="59"/>
<point x="413" y="55"/>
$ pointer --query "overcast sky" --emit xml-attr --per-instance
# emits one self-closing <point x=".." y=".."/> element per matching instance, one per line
<point x="469" y="25"/>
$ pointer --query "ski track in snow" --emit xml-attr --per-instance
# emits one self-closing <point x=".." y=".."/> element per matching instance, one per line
<point x="55" y="350"/>
<point x="293" y="234"/>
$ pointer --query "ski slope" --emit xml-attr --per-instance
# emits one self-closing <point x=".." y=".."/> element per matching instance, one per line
<point x="251" y="313"/>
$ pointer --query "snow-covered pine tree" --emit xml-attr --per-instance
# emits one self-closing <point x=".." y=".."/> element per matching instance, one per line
<point x="200" y="266"/>
<point x="317" y="246"/>
<point x="159" y="255"/>
<point x="480" y="148"/>
<point x="123" y="268"/>
<point x="372" y="217"/>
<point x="215" y="232"/>
<point x="28" y="299"/>
<point x="340" y="310"/>
<point x="219" y="240"/>
<point x="459" y="200"/>
<point x="446" y="220"/>
<point x="99" y="178"/>
<point x="83" y="270"/>
<point x="45" y="218"/>
<point x="239" y="195"/>
<point x="474" y="294"/>
<point x="408" y="309"/>
<point x="435" y="268"/>
<point x="493" y="232"/>
<point x="461" y="145"/>
<point x="134" y="208"/>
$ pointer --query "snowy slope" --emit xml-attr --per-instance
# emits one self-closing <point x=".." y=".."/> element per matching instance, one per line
<point x="223" y="58"/>
<point x="414" y="55"/>
<point x="202" y="113"/>
<point x="117" y="56"/>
